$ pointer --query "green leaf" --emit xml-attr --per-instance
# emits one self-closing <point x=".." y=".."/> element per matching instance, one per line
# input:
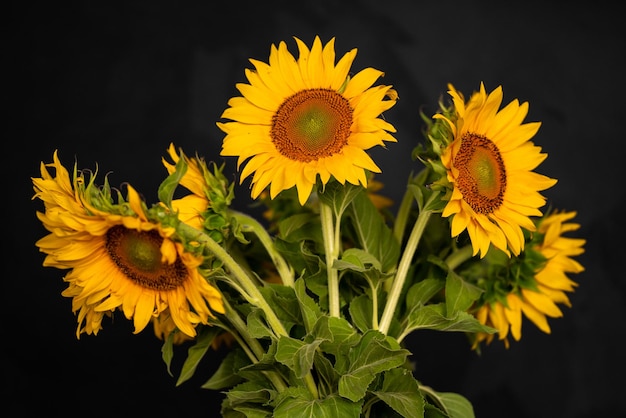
<point x="196" y="352"/>
<point x="317" y="282"/>
<point x="310" y="310"/>
<point x="326" y="374"/>
<point x="296" y="355"/>
<point x="257" y="326"/>
<point x="361" y="312"/>
<point x="167" y="352"/>
<point x="337" y="335"/>
<point x="338" y="196"/>
<point x="226" y="374"/>
<point x="252" y="411"/>
<point x="358" y="260"/>
<point x="299" y="227"/>
<point x="431" y="411"/>
<point x="300" y="257"/>
<point x="433" y="317"/>
<point x="453" y="404"/>
<point x="249" y="392"/>
<point x="168" y="186"/>
<point x="401" y="392"/>
<point x="373" y="234"/>
<point x="460" y="295"/>
<point x="426" y="198"/>
<point x="332" y="406"/>
<point x="284" y="302"/>
<point x="372" y="355"/>
<point x="421" y="292"/>
<point x="254" y="372"/>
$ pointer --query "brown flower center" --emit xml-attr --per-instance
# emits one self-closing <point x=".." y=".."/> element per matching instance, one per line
<point x="138" y="255"/>
<point x="312" y="124"/>
<point x="482" y="176"/>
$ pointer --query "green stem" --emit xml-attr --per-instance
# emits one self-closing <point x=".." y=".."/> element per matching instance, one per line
<point x="458" y="257"/>
<point x="399" y="224"/>
<point x="251" y="346"/>
<point x="403" y="215"/>
<point x="331" y="248"/>
<point x="403" y="268"/>
<point x="374" y="307"/>
<point x="250" y="224"/>
<point x="245" y="282"/>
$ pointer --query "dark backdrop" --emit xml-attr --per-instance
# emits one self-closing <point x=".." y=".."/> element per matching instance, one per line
<point x="114" y="82"/>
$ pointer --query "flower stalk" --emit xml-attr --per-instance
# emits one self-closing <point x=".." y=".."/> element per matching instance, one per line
<point x="243" y="280"/>
<point x="458" y="257"/>
<point x="238" y="272"/>
<point x="251" y="346"/>
<point x="331" y="248"/>
<point x="403" y="267"/>
<point x="249" y="224"/>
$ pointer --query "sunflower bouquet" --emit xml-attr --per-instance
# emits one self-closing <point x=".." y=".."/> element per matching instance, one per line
<point x="314" y="300"/>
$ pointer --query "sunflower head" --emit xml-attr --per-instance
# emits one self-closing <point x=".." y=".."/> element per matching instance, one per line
<point x="532" y="284"/>
<point x="120" y="254"/>
<point x="488" y="161"/>
<point x="206" y="206"/>
<point x="300" y="121"/>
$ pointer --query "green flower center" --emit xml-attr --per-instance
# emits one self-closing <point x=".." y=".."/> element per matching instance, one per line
<point x="312" y="124"/>
<point x="138" y="256"/>
<point x="482" y="176"/>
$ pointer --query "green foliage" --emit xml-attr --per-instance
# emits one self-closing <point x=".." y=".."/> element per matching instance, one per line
<point x="357" y="370"/>
<point x="372" y="235"/>
<point x="319" y="365"/>
<point x="317" y="302"/>
<point x="196" y="352"/>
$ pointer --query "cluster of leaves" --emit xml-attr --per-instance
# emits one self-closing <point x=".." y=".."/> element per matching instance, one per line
<point x="356" y="370"/>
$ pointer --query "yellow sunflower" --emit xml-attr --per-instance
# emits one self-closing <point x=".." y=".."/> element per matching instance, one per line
<point x="300" y="119"/>
<point x="490" y="164"/>
<point x="537" y="297"/>
<point x="117" y="257"/>
<point x="164" y="325"/>
<point x="190" y="207"/>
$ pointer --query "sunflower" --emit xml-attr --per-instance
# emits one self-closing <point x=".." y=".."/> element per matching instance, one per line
<point x="540" y="281"/>
<point x="191" y="207"/>
<point x="117" y="257"/>
<point x="490" y="163"/>
<point x="206" y="208"/>
<point x="300" y="119"/>
<point x="164" y="326"/>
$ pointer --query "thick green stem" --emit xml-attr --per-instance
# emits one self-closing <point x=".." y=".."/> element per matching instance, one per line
<point x="375" y="307"/>
<point x="243" y="280"/>
<point x="254" y="296"/>
<point x="331" y="248"/>
<point x="403" y="215"/>
<point x="250" y="224"/>
<point x="458" y="257"/>
<point x="400" y="223"/>
<point x="403" y="268"/>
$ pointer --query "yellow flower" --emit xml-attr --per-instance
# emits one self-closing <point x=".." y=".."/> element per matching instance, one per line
<point x="489" y="164"/>
<point x="300" y="119"/>
<point x="164" y="325"/>
<point x="117" y="257"/>
<point x="190" y="207"/>
<point x="537" y="298"/>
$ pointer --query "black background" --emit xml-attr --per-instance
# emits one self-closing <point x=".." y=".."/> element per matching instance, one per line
<point x="114" y="83"/>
